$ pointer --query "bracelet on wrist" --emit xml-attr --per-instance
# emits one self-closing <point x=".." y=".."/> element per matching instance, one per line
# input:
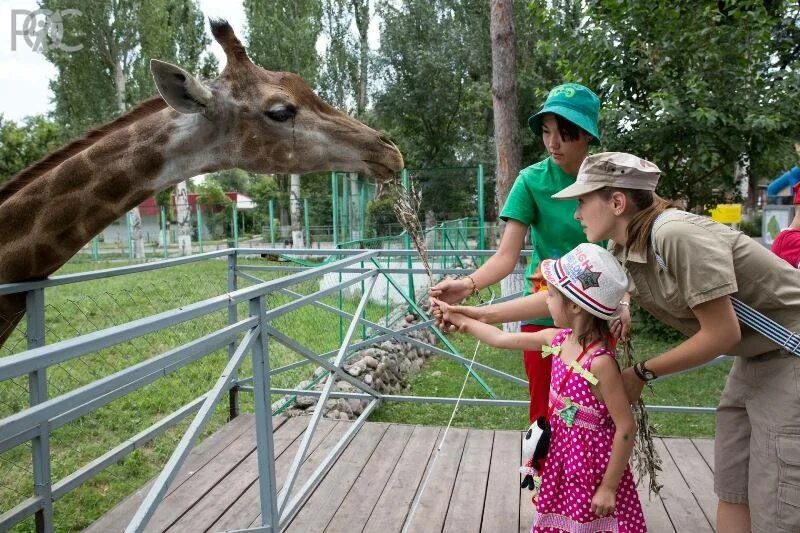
<point x="625" y="303"/>
<point x="474" y="286"/>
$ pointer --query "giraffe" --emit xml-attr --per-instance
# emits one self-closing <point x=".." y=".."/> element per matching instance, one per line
<point x="249" y="118"/>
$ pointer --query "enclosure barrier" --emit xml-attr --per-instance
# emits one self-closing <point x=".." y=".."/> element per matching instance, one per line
<point x="246" y="338"/>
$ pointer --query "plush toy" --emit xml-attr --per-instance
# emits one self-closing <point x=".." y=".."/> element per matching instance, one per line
<point x="534" y="448"/>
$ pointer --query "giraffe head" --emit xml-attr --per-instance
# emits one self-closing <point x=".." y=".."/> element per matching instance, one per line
<point x="266" y="121"/>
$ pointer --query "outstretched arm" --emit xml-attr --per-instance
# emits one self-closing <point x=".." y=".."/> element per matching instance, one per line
<point x="493" y="336"/>
<point x="496" y="267"/>
<point x="524" y="308"/>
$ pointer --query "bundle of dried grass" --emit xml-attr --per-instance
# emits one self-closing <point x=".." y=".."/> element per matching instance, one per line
<point x="406" y="208"/>
<point x="646" y="460"/>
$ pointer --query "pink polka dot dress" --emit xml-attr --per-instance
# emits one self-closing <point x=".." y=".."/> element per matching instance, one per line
<point x="580" y="448"/>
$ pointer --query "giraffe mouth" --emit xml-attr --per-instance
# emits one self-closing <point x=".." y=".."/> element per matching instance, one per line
<point x="379" y="170"/>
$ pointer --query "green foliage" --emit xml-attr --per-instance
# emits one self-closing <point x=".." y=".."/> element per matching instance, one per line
<point x="23" y="143"/>
<point x="752" y="227"/>
<point x="282" y="35"/>
<point x="111" y="72"/>
<point x="381" y="219"/>
<point x="692" y="86"/>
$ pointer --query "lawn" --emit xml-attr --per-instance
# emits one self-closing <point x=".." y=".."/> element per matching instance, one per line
<point x="85" y="307"/>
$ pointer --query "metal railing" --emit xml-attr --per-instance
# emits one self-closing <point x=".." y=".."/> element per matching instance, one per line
<point x="246" y="339"/>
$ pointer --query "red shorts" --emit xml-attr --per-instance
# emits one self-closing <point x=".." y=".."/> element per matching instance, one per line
<point x="538" y="371"/>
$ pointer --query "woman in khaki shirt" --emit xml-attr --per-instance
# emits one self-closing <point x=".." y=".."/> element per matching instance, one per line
<point x="684" y="269"/>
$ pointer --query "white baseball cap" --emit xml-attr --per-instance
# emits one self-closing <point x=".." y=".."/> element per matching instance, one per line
<point x="589" y="276"/>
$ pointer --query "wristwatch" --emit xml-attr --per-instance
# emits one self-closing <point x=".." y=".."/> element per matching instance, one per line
<point x="643" y="373"/>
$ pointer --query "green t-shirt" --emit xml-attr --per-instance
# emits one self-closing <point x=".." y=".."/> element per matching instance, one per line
<point x="554" y="230"/>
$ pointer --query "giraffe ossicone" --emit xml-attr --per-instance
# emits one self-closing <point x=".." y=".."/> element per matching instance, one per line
<point x="249" y="118"/>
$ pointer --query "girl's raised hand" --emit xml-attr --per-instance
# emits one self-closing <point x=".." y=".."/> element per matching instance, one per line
<point x="604" y="501"/>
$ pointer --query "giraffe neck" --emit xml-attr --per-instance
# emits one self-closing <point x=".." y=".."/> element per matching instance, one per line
<point x="49" y="220"/>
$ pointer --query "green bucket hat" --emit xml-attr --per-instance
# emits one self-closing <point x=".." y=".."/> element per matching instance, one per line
<point x="573" y="102"/>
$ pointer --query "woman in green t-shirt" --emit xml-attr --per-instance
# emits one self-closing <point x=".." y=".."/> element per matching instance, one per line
<point x="567" y="123"/>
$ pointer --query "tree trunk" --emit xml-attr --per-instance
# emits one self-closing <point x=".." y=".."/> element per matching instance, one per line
<point x="361" y="11"/>
<point x="506" y="127"/>
<point x="294" y="208"/>
<point x="355" y="205"/>
<point x="741" y="179"/>
<point x="184" y="219"/>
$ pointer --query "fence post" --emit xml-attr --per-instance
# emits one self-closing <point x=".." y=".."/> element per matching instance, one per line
<point x="40" y="444"/>
<point x="272" y="222"/>
<point x="409" y="262"/>
<point x="199" y="214"/>
<point x="96" y="248"/>
<point x="263" y="414"/>
<point x="164" y="230"/>
<point x="363" y="208"/>
<point x="335" y="207"/>
<point x="233" y="393"/>
<point x="305" y="221"/>
<point x="130" y="234"/>
<point x="235" y="226"/>
<point x="481" y="214"/>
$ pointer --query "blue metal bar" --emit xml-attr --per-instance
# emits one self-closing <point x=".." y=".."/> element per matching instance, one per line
<point x="233" y="393"/>
<point x="267" y="484"/>
<point x="37" y="389"/>
<point x="165" y="478"/>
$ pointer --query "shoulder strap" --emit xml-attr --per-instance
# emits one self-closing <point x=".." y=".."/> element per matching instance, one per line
<point x="775" y="332"/>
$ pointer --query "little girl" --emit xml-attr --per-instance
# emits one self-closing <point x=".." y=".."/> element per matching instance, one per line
<point x="587" y="485"/>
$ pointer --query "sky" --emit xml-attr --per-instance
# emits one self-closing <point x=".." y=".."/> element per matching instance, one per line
<point x="24" y="74"/>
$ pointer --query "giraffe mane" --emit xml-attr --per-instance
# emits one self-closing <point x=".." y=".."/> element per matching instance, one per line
<point x="53" y="159"/>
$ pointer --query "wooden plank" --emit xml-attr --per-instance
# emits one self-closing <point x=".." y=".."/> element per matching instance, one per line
<point x="697" y="475"/>
<point x="391" y="508"/>
<point x="313" y="460"/>
<point x="466" y="505"/>
<point x="247" y="507"/>
<point x="526" y="508"/>
<point x="683" y="510"/>
<point x="500" y="512"/>
<point x="118" y="517"/>
<point x="207" y="507"/>
<point x="706" y="449"/>
<point x="326" y="499"/>
<point x="354" y="511"/>
<point x="655" y="514"/>
<point x="441" y="472"/>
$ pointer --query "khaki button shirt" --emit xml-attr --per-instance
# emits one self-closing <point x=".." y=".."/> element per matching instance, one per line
<point x="705" y="260"/>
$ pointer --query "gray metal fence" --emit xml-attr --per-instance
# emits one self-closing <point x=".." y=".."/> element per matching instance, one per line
<point x="205" y="350"/>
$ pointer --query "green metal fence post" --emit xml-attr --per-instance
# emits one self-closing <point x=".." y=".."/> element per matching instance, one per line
<point x="362" y="208"/>
<point x="130" y="234"/>
<point x="335" y="207"/>
<point x="272" y="222"/>
<point x="199" y="214"/>
<point x="164" y="230"/>
<point x="409" y="263"/>
<point x="305" y="221"/>
<point x="96" y="248"/>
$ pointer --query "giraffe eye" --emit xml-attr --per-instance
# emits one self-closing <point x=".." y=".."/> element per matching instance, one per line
<point x="281" y="113"/>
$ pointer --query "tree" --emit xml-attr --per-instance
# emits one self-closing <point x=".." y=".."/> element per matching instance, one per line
<point x="293" y="49"/>
<point x="696" y="87"/>
<point x="119" y="39"/>
<point x="23" y="143"/>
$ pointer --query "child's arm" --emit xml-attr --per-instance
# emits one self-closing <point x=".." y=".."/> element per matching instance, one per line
<point x="493" y="336"/>
<point x="612" y="390"/>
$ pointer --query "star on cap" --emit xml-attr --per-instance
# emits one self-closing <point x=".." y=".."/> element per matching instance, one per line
<point x="588" y="278"/>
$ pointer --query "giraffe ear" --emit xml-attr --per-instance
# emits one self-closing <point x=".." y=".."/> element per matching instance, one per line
<point x="182" y="91"/>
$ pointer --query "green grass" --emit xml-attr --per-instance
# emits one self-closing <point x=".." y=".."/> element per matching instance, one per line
<point x="81" y="308"/>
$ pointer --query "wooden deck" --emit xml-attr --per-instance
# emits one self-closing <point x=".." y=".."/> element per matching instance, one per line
<point x="474" y="486"/>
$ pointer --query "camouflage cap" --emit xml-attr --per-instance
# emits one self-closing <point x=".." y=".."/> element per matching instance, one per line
<point x="612" y="169"/>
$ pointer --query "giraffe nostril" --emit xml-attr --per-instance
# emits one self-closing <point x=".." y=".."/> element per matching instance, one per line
<point x="386" y="140"/>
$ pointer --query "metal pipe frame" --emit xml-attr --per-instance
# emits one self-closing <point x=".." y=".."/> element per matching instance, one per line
<point x="36" y="422"/>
